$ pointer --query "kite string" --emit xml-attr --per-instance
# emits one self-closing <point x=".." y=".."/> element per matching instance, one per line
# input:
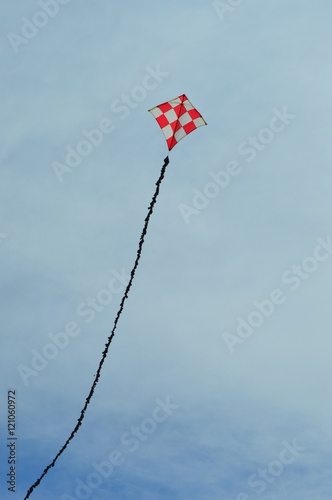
<point x="110" y="338"/>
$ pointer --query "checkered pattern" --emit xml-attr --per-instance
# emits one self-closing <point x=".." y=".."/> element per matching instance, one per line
<point x="177" y="118"/>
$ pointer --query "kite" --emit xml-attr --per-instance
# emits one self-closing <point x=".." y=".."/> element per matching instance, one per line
<point x="177" y="118"/>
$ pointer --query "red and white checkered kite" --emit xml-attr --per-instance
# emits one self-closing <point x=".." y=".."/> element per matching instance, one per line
<point x="177" y="118"/>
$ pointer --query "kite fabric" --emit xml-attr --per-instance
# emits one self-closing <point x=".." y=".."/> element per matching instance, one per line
<point x="177" y="118"/>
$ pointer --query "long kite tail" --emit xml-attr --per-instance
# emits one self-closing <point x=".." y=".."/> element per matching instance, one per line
<point x="110" y="338"/>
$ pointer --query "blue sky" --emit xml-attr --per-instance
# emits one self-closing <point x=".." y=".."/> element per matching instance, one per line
<point x="253" y="250"/>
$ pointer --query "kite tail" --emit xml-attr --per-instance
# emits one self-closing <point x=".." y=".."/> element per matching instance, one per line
<point x="110" y="338"/>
